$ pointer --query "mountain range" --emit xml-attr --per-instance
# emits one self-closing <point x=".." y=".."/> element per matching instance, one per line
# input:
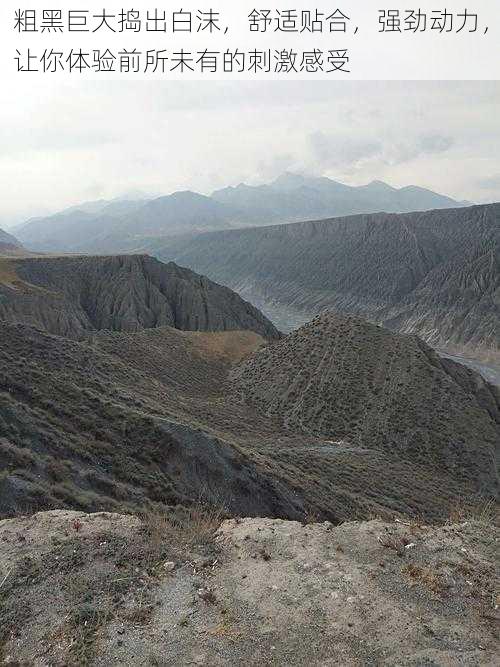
<point x="435" y="274"/>
<point x="293" y="197"/>
<point x="132" y="225"/>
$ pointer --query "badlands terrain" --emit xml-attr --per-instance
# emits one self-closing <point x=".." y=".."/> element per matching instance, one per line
<point x="435" y="273"/>
<point x="72" y="296"/>
<point x="182" y="484"/>
<point x="340" y="419"/>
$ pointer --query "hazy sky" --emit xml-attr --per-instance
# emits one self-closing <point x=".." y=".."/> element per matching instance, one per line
<point x="67" y="143"/>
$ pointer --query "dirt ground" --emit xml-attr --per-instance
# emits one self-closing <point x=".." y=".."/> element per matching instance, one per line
<point x="107" y="589"/>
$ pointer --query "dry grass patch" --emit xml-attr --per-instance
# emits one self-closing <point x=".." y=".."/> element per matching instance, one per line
<point x="231" y="346"/>
<point x="397" y="544"/>
<point x="426" y="576"/>
<point x="192" y="527"/>
<point x="483" y="511"/>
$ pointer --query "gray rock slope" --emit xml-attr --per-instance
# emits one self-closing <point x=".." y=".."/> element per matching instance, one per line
<point x="436" y="274"/>
<point x="72" y="296"/>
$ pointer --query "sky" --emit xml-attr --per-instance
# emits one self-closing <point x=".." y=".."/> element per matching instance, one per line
<point x="66" y="143"/>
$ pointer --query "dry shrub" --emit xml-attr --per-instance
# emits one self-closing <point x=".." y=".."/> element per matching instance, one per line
<point x="193" y="526"/>
<point x="311" y="517"/>
<point x="427" y="577"/>
<point x="394" y="542"/>
<point x="483" y="511"/>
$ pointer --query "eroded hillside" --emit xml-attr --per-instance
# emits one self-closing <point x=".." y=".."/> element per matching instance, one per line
<point x="435" y="274"/>
<point x="344" y="379"/>
<point x="73" y="296"/>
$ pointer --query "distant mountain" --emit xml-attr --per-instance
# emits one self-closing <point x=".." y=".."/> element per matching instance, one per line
<point x="295" y="198"/>
<point x="76" y="226"/>
<point x="110" y="207"/>
<point x="124" y="225"/>
<point x="173" y="215"/>
<point x="8" y="243"/>
<point x="133" y="225"/>
<point x="436" y="273"/>
<point x="74" y="296"/>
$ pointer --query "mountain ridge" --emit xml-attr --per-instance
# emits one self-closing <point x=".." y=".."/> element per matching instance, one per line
<point x="126" y="225"/>
<point x="8" y="243"/>
<point x="75" y="296"/>
<point x="434" y="273"/>
<point x="311" y="198"/>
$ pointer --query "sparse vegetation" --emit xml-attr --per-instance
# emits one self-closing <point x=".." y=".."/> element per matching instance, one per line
<point x="103" y="594"/>
<point x="341" y="419"/>
<point x="106" y="576"/>
<point x="187" y="528"/>
<point x="484" y="511"/>
<point x="427" y="577"/>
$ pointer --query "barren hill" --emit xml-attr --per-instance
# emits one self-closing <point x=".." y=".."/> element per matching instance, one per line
<point x="109" y="589"/>
<point x="344" y="379"/>
<point x="72" y="296"/>
<point x="136" y="419"/>
<point x="125" y="422"/>
<point x="436" y="274"/>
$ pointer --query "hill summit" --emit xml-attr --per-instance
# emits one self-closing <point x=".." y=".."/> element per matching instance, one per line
<point x="344" y="379"/>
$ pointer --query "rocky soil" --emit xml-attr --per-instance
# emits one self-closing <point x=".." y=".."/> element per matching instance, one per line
<point x="108" y="589"/>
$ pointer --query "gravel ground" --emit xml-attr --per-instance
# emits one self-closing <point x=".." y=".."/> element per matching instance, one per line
<point x="259" y="592"/>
